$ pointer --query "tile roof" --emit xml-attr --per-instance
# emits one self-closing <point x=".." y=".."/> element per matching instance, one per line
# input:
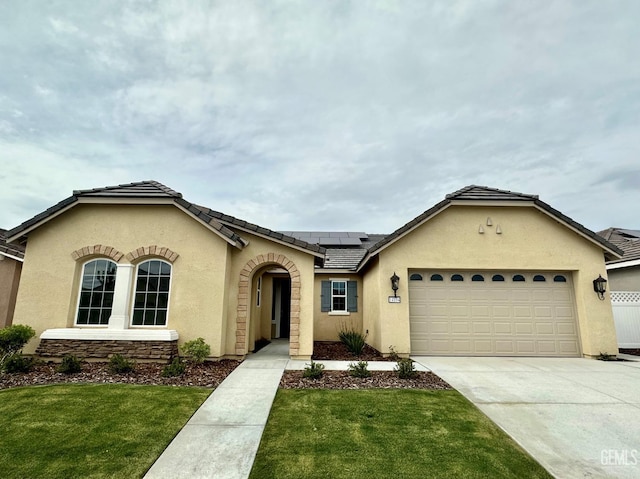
<point x="476" y="193"/>
<point x="627" y="240"/>
<point x="140" y="189"/>
<point x="10" y="249"/>
<point x="343" y="258"/>
<point x="253" y="228"/>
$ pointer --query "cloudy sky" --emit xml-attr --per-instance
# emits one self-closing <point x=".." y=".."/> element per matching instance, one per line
<point x="323" y="115"/>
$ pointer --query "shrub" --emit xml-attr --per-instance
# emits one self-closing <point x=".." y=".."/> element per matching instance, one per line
<point x="18" y="363"/>
<point x="352" y="339"/>
<point x="313" y="370"/>
<point x="606" y="357"/>
<point x="177" y="367"/>
<point x="13" y="338"/>
<point x="119" y="364"/>
<point x="359" y="369"/>
<point x="70" y="365"/>
<point x="196" y="350"/>
<point x="393" y="354"/>
<point x="405" y="369"/>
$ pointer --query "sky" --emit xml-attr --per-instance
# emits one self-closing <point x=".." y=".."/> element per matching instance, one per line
<point x="323" y="115"/>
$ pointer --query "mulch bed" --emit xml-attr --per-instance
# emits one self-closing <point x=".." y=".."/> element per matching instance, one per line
<point x="335" y="350"/>
<point x="634" y="352"/>
<point x="378" y="380"/>
<point x="210" y="374"/>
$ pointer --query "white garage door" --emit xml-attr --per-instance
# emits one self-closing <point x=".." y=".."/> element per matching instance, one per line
<point x="492" y="314"/>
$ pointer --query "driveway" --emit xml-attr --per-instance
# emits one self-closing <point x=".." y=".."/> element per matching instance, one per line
<point x="580" y="418"/>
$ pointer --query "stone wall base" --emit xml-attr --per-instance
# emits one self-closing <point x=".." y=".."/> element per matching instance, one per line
<point x="104" y="349"/>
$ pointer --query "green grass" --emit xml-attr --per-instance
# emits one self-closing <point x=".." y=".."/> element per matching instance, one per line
<point x="90" y="431"/>
<point x="399" y="434"/>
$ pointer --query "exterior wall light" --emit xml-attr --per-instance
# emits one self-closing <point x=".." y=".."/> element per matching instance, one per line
<point x="600" y="286"/>
<point x="394" y="283"/>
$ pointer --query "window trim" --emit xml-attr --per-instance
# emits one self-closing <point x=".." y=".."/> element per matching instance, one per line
<point x="75" y="320"/>
<point x="340" y="312"/>
<point x="135" y="290"/>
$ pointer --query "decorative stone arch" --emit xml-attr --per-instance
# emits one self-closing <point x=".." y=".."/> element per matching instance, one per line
<point x="97" y="250"/>
<point x="152" y="251"/>
<point x="243" y="300"/>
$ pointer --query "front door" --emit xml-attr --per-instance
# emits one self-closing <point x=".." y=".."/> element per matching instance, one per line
<point x="281" y="307"/>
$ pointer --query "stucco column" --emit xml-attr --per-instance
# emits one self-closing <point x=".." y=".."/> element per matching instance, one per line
<point x="121" y="298"/>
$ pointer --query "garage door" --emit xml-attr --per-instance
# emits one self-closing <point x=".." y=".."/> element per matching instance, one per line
<point x="492" y="314"/>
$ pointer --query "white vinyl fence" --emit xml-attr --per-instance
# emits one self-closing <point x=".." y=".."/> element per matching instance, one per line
<point x="626" y="315"/>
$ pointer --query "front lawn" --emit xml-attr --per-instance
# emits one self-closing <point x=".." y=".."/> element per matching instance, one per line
<point x="90" y="431"/>
<point x="385" y="434"/>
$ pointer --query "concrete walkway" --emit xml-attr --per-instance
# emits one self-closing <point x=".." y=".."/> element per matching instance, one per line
<point x="221" y="439"/>
<point x="579" y="418"/>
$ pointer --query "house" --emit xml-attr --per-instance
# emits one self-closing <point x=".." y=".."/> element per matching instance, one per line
<point x="138" y="269"/>
<point x="11" y="258"/>
<point x="624" y="283"/>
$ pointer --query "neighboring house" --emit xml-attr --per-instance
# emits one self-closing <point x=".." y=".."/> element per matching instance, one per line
<point x="624" y="283"/>
<point x="136" y="268"/>
<point x="11" y="258"/>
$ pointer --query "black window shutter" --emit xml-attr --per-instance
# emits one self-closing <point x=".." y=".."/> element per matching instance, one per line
<point x="325" y="297"/>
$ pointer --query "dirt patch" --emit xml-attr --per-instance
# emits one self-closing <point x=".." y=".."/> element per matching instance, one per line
<point x="337" y="351"/>
<point x="378" y="380"/>
<point x="210" y="374"/>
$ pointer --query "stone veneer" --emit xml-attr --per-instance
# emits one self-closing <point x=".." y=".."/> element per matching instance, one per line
<point x="103" y="349"/>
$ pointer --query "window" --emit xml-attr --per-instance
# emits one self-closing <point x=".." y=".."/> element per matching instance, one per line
<point x="436" y="277"/>
<point x="96" y="292"/>
<point x="539" y="278"/>
<point x="559" y="279"/>
<point x="152" y="293"/>
<point x="457" y="277"/>
<point x="259" y="291"/>
<point x="339" y="296"/>
<point x="497" y="277"/>
<point x="518" y="278"/>
<point x="477" y="277"/>
<point x="415" y="277"/>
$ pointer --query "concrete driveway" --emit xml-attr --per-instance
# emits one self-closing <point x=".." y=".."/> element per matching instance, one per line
<point x="580" y="418"/>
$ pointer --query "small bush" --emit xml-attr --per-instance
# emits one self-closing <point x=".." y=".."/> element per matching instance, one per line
<point x="196" y="350"/>
<point x="393" y="354"/>
<point x="177" y="367"/>
<point x="13" y="338"/>
<point x="118" y="364"/>
<point x="606" y="357"/>
<point x="18" y="363"/>
<point x="313" y="370"/>
<point x="352" y="339"/>
<point x="70" y="365"/>
<point x="405" y="369"/>
<point x="359" y="370"/>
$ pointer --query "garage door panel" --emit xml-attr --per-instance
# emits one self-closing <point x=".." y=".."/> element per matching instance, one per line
<point x="493" y="317"/>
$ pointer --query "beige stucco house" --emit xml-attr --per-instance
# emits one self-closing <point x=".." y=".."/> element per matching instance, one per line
<point x="138" y="269"/>
<point x="11" y="258"/>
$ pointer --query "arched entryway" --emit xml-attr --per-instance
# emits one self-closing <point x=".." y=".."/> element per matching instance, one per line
<point x="243" y="316"/>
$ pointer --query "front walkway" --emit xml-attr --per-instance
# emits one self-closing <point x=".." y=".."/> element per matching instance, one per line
<point x="221" y="439"/>
<point x="577" y="417"/>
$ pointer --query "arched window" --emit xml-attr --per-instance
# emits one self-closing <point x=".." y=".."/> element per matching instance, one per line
<point x="436" y="277"/>
<point x="518" y="278"/>
<point x="497" y="277"/>
<point x="538" y="278"/>
<point x="559" y="279"/>
<point x="457" y="277"/>
<point x="152" y="293"/>
<point x="96" y="292"/>
<point x="415" y="277"/>
<point x="477" y="277"/>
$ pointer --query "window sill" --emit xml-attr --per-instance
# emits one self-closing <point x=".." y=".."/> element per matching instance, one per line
<point x="339" y="313"/>
<point x="111" y="334"/>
